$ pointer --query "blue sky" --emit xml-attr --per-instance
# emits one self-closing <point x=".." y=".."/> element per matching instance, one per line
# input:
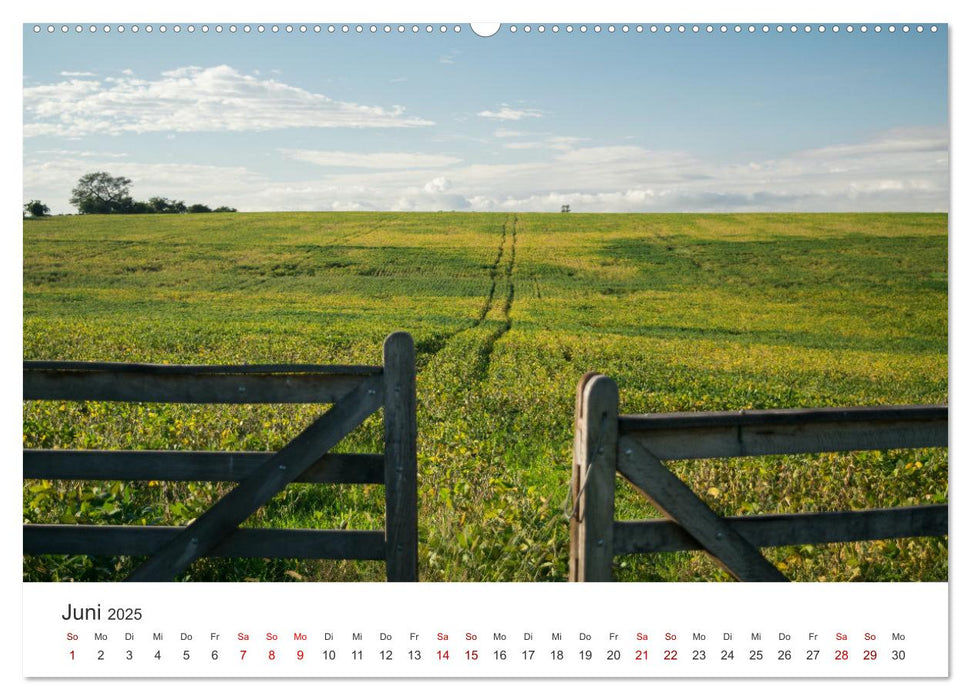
<point x="605" y="122"/>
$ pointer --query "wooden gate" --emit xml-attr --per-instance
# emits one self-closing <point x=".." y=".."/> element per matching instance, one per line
<point x="355" y="392"/>
<point x="636" y="446"/>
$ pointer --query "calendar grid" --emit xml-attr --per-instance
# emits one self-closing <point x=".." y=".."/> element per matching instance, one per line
<point x="486" y="630"/>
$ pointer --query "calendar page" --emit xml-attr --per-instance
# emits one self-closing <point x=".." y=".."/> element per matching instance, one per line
<point x="361" y="347"/>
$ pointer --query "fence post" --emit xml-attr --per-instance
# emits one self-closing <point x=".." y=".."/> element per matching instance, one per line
<point x="400" y="459"/>
<point x="594" y="474"/>
<point x="575" y="478"/>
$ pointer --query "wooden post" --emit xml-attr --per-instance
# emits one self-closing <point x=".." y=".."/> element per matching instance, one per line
<point x="594" y="468"/>
<point x="575" y="479"/>
<point x="400" y="458"/>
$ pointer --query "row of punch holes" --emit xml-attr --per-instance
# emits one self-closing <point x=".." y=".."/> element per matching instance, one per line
<point x="512" y="29"/>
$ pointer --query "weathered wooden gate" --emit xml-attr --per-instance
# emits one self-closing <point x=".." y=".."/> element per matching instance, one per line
<point x="355" y="392"/>
<point x="636" y="445"/>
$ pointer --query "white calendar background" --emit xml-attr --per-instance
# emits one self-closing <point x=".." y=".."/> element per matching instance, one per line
<point x="486" y="630"/>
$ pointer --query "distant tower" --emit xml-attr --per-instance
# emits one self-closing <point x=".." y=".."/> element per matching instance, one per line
<point x="565" y="209"/>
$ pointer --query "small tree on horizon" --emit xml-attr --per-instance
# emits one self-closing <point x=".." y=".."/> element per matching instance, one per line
<point x="36" y="209"/>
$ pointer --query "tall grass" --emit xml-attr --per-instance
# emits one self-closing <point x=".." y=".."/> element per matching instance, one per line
<point x="685" y="312"/>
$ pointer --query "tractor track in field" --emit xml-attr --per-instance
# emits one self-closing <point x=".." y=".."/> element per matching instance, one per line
<point x="345" y="238"/>
<point x="311" y="258"/>
<point x="484" y="360"/>
<point x="493" y="272"/>
<point x="498" y="272"/>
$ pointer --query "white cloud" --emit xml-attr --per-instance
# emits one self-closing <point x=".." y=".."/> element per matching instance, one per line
<point x="506" y="112"/>
<point x="608" y="154"/>
<point x="449" y="58"/>
<point x="564" y="143"/>
<point x="890" y="142"/>
<point x="343" y="205"/>
<point x="438" y="184"/>
<point x="381" y="161"/>
<point x="524" y="145"/>
<point x="540" y="140"/>
<point x="64" y="152"/>
<point x="76" y="74"/>
<point x="905" y="170"/>
<point x="191" y="98"/>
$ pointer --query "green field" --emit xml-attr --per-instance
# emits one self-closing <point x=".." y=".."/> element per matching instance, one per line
<point x="685" y="312"/>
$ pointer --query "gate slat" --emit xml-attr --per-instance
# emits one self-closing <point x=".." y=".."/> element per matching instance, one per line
<point x="672" y="496"/>
<point x="192" y="387"/>
<point x="148" y="368"/>
<point x="705" y="435"/>
<point x="135" y="540"/>
<point x="263" y="483"/>
<point x="177" y="465"/>
<point x="777" y="530"/>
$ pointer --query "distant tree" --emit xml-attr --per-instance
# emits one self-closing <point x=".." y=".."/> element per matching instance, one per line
<point x="224" y="209"/>
<point x="135" y="207"/>
<point x="37" y="209"/>
<point x="100" y="193"/>
<point x="162" y="205"/>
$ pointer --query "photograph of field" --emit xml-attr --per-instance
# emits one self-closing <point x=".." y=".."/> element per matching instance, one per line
<point x="686" y="312"/>
<point x="445" y="231"/>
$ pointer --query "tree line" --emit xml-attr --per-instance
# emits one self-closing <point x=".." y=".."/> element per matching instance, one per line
<point x="100" y="193"/>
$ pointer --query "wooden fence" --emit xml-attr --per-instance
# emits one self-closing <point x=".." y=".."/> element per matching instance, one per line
<point x="637" y="445"/>
<point x="355" y="392"/>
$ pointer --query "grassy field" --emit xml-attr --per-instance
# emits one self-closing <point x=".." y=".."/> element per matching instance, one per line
<point x="685" y="312"/>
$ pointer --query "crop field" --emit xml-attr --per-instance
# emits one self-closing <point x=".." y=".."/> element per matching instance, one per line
<point x="685" y="312"/>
